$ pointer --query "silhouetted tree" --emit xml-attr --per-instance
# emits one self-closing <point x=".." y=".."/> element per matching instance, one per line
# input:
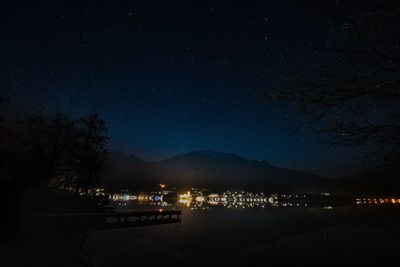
<point x="53" y="152"/>
<point x="47" y="143"/>
<point x="356" y="103"/>
<point x="90" y="152"/>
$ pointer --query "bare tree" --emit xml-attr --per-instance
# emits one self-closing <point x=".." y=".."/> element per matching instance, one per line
<point x="53" y="152"/>
<point x="356" y="102"/>
<point x="90" y="151"/>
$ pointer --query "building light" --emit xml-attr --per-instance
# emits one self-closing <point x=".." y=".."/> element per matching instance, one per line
<point x="200" y="199"/>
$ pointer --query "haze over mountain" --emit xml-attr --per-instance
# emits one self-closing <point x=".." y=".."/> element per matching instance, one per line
<point x="209" y="169"/>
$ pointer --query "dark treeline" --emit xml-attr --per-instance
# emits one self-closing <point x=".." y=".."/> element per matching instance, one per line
<point x="42" y="154"/>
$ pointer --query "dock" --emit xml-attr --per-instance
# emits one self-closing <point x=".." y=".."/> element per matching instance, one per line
<point x="106" y="220"/>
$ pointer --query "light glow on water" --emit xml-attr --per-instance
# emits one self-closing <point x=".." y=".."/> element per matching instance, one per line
<point x="204" y="199"/>
<point x="377" y="201"/>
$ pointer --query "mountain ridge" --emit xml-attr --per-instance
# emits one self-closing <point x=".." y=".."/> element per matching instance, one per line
<point x="209" y="169"/>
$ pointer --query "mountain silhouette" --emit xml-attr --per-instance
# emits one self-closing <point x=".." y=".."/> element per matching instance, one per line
<point x="208" y="169"/>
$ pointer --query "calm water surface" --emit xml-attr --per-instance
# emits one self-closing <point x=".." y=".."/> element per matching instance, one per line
<point x="255" y="235"/>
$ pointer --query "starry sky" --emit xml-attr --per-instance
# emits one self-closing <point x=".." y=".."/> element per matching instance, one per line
<point x="171" y="77"/>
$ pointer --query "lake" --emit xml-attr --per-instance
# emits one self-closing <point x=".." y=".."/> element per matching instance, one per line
<point x="220" y="235"/>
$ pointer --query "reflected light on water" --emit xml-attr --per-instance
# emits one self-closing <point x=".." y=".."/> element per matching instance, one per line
<point x="202" y="199"/>
<point x="377" y="201"/>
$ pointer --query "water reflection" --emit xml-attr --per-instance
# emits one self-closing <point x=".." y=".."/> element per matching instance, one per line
<point x="196" y="199"/>
<point x="242" y="228"/>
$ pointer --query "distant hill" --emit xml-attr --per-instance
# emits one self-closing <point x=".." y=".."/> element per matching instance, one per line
<point x="209" y="169"/>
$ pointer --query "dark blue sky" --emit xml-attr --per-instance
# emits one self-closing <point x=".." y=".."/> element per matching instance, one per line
<point x="172" y="76"/>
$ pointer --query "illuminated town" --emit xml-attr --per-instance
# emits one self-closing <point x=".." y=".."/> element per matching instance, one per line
<point x="203" y="199"/>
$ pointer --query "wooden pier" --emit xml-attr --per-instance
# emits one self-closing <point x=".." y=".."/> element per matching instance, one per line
<point x="107" y="220"/>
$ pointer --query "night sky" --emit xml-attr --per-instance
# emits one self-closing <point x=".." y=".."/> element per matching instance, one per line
<point x="172" y="76"/>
